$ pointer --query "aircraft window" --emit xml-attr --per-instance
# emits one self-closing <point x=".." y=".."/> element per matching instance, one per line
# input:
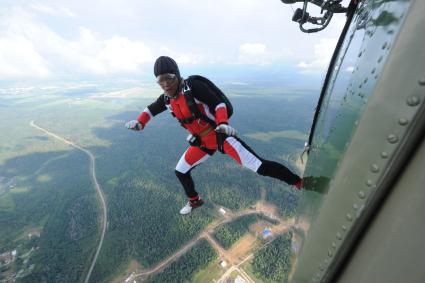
<point x="356" y="71"/>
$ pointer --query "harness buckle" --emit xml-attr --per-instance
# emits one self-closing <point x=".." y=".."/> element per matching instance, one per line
<point x="186" y="87"/>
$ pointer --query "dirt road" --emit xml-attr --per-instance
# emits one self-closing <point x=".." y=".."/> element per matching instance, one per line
<point x="96" y="184"/>
<point x="230" y="216"/>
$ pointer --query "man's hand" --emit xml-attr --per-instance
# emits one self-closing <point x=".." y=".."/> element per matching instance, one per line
<point x="134" y="125"/>
<point x="226" y="129"/>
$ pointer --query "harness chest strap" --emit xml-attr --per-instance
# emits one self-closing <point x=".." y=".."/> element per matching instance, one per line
<point x="193" y="108"/>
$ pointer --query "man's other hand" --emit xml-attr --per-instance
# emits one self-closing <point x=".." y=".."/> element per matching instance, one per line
<point x="226" y="129"/>
<point x="134" y="125"/>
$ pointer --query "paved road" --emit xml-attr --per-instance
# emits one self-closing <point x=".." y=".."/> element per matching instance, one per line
<point x="96" y="184"/>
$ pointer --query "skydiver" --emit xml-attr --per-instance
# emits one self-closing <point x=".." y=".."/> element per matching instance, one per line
<point x="205" y="136"/>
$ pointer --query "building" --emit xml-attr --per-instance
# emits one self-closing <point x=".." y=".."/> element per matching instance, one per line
<point x="7" y="257"/>
<point x="266" y="233"/>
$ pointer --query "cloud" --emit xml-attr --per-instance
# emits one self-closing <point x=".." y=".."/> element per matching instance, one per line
<point x="65" y="38"/>
<point x="121" y="54"/>
<point x="50" y="10"/>
<point x="18" y="58"/>
<point x="105" y="56"/>
<point x="253" y="53"/>
<point x="30" y="48"/>
<point x="321" y="56"/>
<point x="189" y="58"/>
<point x="252" y="48"/>
<point x="181" y="58"/>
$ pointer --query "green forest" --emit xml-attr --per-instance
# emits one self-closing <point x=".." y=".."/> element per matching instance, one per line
<point x="181" y="270"/>
<point x="273" y="263"/>
<point x="146" y="235"/>
<point x="229" y="233"/>
<point x="55" y="197"/>
<point x="286" y="200"/>
<point x="64" y="205"/>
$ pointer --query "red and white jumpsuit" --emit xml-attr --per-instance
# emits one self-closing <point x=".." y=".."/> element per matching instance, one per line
<point x="214" y="109"/>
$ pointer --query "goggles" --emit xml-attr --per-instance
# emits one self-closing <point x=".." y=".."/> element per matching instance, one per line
<point x="165" y="78"/>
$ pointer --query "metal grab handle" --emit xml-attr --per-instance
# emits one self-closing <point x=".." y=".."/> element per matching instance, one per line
<point x="306" y="150"/>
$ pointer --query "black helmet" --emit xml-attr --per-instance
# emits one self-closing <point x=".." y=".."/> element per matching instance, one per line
<point x="164" y="65"/>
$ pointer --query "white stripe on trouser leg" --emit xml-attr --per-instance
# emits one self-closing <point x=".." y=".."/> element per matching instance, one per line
<point x="248" y="159"/>
<point x="184" y="167"/>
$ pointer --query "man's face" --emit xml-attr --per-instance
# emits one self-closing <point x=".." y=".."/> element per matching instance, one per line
<point x="169" y="83"/>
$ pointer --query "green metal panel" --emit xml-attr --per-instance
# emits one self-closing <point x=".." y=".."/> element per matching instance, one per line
<point x="392" y="245"/>
<point x="368" y="116"/>
<point x="393" y="250"/>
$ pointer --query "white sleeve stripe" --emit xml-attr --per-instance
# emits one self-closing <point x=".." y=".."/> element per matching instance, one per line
<point x="220" y="105"/>
<point x="148" y="112"/>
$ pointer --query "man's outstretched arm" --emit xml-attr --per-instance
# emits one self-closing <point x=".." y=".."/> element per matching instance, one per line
<point x="150" y="111"/>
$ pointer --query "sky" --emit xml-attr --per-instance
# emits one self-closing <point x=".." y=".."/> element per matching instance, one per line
<point x="59" y="40"/>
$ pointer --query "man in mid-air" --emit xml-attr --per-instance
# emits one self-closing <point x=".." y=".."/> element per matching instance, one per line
<point x="198" y="108"/>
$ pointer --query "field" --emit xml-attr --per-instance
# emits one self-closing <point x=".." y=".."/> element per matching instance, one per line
<point x="47" y="191"/>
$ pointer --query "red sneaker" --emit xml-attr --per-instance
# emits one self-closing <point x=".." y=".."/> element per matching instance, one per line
<point x="299" y="184"/>
<point x="190" y="205"/>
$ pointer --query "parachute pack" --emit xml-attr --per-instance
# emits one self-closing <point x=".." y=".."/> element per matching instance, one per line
<point x="214" y="89"/>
